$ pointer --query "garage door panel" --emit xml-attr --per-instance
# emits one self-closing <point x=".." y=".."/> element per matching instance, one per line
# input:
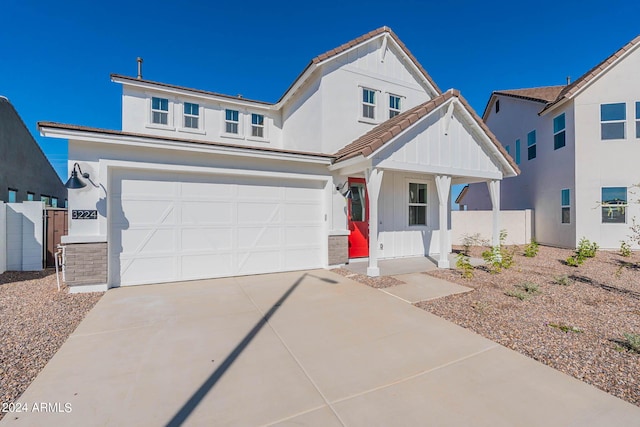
<point x="302" y="194"/>
<point x="255" y="261"/>
<point x="258" y="213"/>
<point x="300" y="236"/>
<point x="207" y="190"/>
<point x="202" y="238"/>
<point x="259" y="237"/>
<point x="147" y="188"/>
<point x="147" y="240"/>
<point x="145" y="212"/>
<point x="147" y="270"/>
<point x="207" y="212"/>
<point x="300" y="258"/>
<point x="258" y="192"/>
<point x="298" y="213"/>
<point x="206" y="266"/>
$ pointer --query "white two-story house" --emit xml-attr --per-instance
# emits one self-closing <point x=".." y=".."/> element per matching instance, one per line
<point x="578" y="148"/>
<point x="355" y="160"/>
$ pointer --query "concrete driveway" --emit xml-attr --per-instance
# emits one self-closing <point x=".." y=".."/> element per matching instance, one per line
<point x="296" y="348"/>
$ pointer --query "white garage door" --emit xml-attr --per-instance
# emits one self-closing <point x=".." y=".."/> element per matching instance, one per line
<point x="169" y="227"/>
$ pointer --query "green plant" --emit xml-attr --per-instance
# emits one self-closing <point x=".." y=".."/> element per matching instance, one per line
<point x="522" y="296"/>
<point x="566" y="328"/>
<point x="562" y="280"/>
<point x="632" y="341"/>
<point x="498" y="257"/>
<point x="586" y="248"/>
<point x="531" y="250"/>
<point x="574" y="261"/>
<point x="524" y="291"/>
<point x="469" y="240"/>
<point x="625" y="249"/>
<point x="463" y="263"/>
<point x="529" y="287"/>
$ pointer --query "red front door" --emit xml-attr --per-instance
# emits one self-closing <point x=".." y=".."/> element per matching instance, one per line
<point x="358" y="219"/>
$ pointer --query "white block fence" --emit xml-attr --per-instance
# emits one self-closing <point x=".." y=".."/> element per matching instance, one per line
<point x="21" y="236"/>
<point x="518" y="224"/>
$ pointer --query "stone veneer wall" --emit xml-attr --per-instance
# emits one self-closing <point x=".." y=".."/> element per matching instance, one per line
<point x="86" y="263"/>
<point x="338" y="250"/>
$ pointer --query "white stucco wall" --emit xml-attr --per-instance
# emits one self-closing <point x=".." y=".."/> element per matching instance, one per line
<point x="517" y="224"/>
<point x="607" y="163"/>
<point x="3" y="237"/>
<point x="542" y="179"/>
<point x="24" y="236"/>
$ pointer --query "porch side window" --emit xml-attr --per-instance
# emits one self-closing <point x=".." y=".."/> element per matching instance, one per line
<point x="417" y="203"/>
<point x="566" y="206"/>
<point x="614" y="205"/>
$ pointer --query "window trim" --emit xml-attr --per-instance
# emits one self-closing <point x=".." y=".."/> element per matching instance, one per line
<point x="361" y="104"/>
<point x="563" y="206"/>
<point x="532" y="143"/>
<point x="610" y="206"/>
<point x="240" y="129"/>
<point x="562" y="131"/>
<point x="408" y="204"/>
<point x="623" y="121"/>
<point x="394" y="111"/>
<point x="251" y="126"/>
<point x="168" y="112"/>
<point x="186" y="115"/>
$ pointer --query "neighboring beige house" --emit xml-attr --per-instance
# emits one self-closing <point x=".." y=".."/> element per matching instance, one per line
<point x="356" y="160"/>
<point x="578" y="147"/>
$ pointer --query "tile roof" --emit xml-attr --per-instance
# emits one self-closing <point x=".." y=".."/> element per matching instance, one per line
<point x="373" y="140"/>
<point x="541" y="94"/>
<point x="63" y="126"/>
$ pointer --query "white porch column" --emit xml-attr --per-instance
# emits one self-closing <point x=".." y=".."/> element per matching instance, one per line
<point x="443" y="185"/>
<point x="494" y="192"/>
<point x="373" y="178"/>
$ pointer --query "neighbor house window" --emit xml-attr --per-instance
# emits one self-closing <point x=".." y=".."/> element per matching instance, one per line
<point x="566" y="206"/>
<point x="30" y="196"/>
<point x="231" y="121"/>
<point x="417" y="203"/>
<point x="46" y="200"/>
<point x="13" y="195"/>
<point x="191" y="115"/>
<point x="257" y="125"/>
<point x="160" y="111"/>
<point x="506" y="147"/>
<point x="368" y="103"/>
<point x="517" y="151"/>
<point x="614" y="204"/>
<point x="54" y="202"/>
<point x="612" y="118"/>
<point x="559" y="133"/>
<point x="497" y="106"/>
<point x="637" y="119"/>
<point x="531" y="145"/>
<point x="394" y="105"/>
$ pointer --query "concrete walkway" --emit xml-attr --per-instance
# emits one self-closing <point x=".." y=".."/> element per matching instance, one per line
<point x="296" y="349"/>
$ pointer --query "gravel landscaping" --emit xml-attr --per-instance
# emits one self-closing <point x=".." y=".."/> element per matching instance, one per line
<point x="375" y="282"/>
<point x="575" y="325"/>
<point x="35" y="320"/>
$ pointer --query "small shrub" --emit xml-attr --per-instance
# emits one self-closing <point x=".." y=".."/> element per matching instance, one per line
<point x="498" y="257"/>
<point x="566" y="328"/>
<point x="586" y="248"/>
<point x="522" y="296"/>
<point x="463" y="264"/>
<point x="574" y="261"/>
<point x="625" y="249"/>
<point x="531" y="250"/>
<point x="562" y="280"/>
<point x="632" y="341"/>
<point x="470" y="240"/>
<point x="524" y="291"/>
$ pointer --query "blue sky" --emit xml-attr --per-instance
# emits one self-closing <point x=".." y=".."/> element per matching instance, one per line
<point x="56" y="57"/>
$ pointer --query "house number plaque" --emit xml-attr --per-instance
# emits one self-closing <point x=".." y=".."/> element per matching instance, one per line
<point x="84" y="214"/>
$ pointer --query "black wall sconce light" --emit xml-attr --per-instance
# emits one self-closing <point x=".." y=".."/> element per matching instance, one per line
<point x="347" y="194"/>
<point x="74" y="181"/>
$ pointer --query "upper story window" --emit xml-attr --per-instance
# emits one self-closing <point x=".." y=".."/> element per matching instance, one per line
<point x="30" y="196"/>
<point x="637" y="119"/>
<point x="566" y="206"/>
<point x="191" y="115"/>
<point x="614" y="204"/>
<point x="559" y="132"/>
<point x="394" y="106"/>
<point x="368" y="103"/>
<point x="45" y="199"/>
<point x="417" y="203"/>
<point x="506" y="147"/>
<point x="517" y="152"/>
<point x="612" y="118"/>
<point x="497" y="106"/>
<point x="12" y="196"/>
<point x="160" y="111"/>
<point x="257" y="125"/>
<point x="54" y="202"/>
<point x="531" y="145"/>
<point x="231" y="120"/>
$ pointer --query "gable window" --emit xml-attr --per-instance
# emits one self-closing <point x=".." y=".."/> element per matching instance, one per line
<point x="417" y="203"/>
<point x="45" y="199"/>
<point x="30" y="196"/>
<point x="612" y="118"/>
<point x="191" y="115"/>
<point x="517" y="152"/>
<point x="12" y="196"/>
<point x="559" y="133"/>
<point x="231" y="121"/>
<point x="394" y="106"/>
<point x="531" y="145"/>
<point x="368" y="103"/>
<point x="160" y="111"/>
<point x="566" y="206"/>
<point x="257" y="125"/>
<point x="637" y="119"/>
<point x="614" y="205"/>
<point x="497" y="106"/>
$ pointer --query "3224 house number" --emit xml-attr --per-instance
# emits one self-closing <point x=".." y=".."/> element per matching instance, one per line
<point x="84" y="214"/>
